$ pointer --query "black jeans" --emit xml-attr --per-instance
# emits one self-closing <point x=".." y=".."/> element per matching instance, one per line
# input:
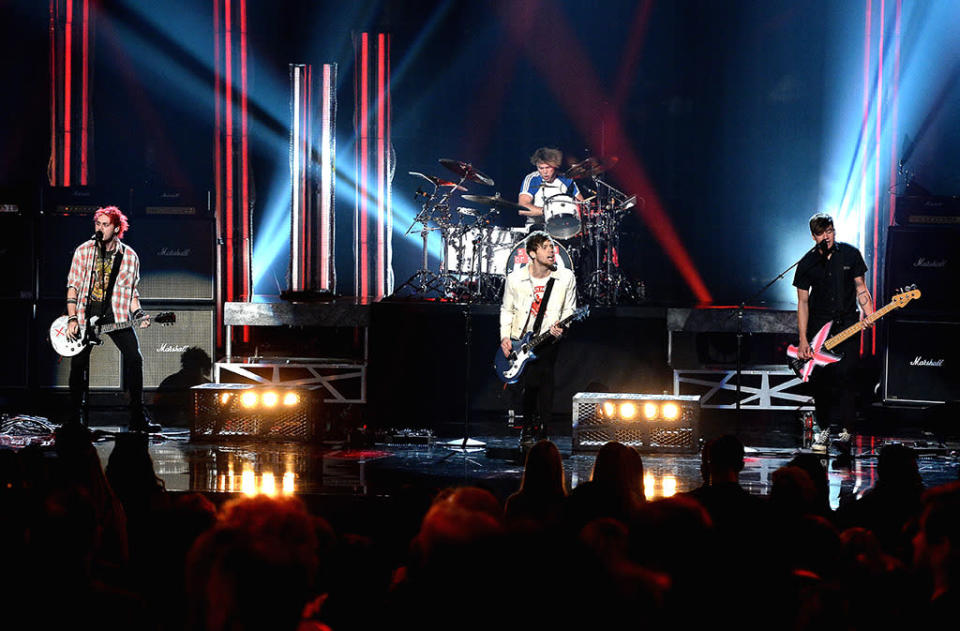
<point x="834" y="385"/>
<point x="537" y="383"/>
<point x="125" y="340"/>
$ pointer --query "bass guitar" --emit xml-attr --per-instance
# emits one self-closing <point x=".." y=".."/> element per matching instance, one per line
<point x="510" y="367"/>
<point x="821" y="345"/>
<point x="67" y="347"/>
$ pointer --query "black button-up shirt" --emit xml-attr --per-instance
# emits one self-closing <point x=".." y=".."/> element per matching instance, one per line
<point x="833" y="294"/>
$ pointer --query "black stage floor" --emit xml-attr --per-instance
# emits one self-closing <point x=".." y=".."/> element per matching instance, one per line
<point x="383" y="470"/>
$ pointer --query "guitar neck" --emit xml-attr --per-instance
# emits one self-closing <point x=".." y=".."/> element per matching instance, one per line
<point x="853" y="329"/>
<point x="546" y="334"/>
<point x="119" y="326"/>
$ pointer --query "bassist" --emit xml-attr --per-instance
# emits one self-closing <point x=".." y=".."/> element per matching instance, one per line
<point x="830" y="287"/>
<point x="536" y="297"/>
<point x="103" y="282"/>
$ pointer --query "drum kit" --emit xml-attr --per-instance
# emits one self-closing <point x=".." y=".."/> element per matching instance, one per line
<point x="477" y="253"/>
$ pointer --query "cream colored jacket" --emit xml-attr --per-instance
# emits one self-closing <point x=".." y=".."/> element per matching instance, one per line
<point x="518" y="297"/>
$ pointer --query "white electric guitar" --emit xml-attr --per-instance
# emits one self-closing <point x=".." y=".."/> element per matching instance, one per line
<point x="821" y="345"/>
<point x="68" y="347"/>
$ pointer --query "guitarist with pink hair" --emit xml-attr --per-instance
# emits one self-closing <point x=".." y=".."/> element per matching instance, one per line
<point x="831" y="289"/>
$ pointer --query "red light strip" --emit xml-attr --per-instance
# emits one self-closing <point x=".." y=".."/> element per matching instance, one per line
<point x="381" y="166"/>
<point x="896" y="114"/>
<point x="228" y="105"/>
<point x="244" y="159"/>
<point x="217" y="160"/>
<point x="67" y="62"/>
<point x="84" y="119"/>
<point x="52" y="175"/>
<point x="876" y="167"/>
<point x="326" y="131"/>
<point x="364" y="104"/>
<point x="866" y="113"/>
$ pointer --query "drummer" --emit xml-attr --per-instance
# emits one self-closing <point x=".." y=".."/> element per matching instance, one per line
<point x="542" y="184"/>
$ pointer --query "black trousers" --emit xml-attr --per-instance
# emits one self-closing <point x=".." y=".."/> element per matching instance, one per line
<point x="537" y="398"/>
<point x="834" y="385"/>
<point x="125" y="340"/>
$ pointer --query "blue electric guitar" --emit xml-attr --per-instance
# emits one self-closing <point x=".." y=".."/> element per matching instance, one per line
<point x="511" y="367"/>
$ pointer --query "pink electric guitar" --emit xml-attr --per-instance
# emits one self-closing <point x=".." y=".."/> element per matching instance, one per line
<point x="821" y="346"/>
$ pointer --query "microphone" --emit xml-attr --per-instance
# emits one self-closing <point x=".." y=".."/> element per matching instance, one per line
<point x="98" y="236"/>
<point x="824" y="247"/>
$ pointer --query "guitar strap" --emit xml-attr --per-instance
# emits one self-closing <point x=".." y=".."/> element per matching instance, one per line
<point x="543" y="307"/>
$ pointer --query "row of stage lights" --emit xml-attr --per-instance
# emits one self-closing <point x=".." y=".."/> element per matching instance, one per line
<point x="269" y="399"/>
<point x="637" y="410"/>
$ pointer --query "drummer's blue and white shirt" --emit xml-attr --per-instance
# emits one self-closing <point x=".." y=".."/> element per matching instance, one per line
<point x="534" y="186"/>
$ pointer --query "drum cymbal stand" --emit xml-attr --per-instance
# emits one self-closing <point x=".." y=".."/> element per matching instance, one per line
<point x="424" y="281"/>
<point x="608" y="284"/>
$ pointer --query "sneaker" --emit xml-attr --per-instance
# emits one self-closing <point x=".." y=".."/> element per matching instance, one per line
<point x="820" y="441"/>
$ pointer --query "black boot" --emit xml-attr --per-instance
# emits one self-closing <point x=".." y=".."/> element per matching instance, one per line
<point x="140" y="421"/>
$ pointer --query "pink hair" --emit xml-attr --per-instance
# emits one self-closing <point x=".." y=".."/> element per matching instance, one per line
<point x="117" y="218"/>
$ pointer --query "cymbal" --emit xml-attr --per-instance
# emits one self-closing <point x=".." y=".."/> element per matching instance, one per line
<point x="489" y="200"/>
<point x="591" y="166"/>
<point x="466" y="170"/>
<point x="437" y="181"/>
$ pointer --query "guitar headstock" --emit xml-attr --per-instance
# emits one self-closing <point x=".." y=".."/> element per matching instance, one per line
<point x="906" y="295"/>
<point x="166" y="318"/>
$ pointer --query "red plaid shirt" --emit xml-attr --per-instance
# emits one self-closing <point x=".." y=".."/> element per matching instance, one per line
<point x="124" y="289"/>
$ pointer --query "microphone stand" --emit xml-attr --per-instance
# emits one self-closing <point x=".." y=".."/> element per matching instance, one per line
<point x="740" y="310"/>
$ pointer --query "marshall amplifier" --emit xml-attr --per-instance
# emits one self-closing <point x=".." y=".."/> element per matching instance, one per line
<point x="59" y="235"/>
<point x="176" y="257"/>
<point x="929" y="258"/>
<point x="163" y="346"/>
<point x="52" y="371"/>
<point x="922" y="363"/>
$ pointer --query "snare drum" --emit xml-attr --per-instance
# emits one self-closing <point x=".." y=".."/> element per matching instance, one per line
<point x="562" y="216"/>
<point x="518" y="257"/>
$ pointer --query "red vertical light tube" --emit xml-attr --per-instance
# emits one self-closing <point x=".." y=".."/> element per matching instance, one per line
<point x="217" y="158"/>
<point x="52" y="176"/>
<point x="67" y="62"/>
<point x="84" y="117"/>
<point x="381" y="166"/>
<point x="364" y="105"/>
<point x="326" y="122"/>
<point x="228" y="105"/>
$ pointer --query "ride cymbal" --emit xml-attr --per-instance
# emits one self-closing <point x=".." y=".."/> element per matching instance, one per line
<point x="437" y="181"/>
<point x="466" y="171"/>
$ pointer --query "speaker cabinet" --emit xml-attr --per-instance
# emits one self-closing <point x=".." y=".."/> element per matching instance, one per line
<point x="162" y="347"/>
<point x="930" y="258"/>
<point x="58" y="237"/>
<point x="176" y="257"/>
<point x="54" y="372"/>
<point x="922" y="362"/>
<point x="16" y="255"/>
<point x="18" y="314"/>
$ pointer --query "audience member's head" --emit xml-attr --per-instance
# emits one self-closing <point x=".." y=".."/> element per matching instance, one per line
<point x="726" y="459"/>
<point x="256" y="568"/>
<point x="620" y="469"/>
<point x="937" y="542"/>
<point x="897" y="469"/>
<point x="543" y="473"/>
<point x="458" y="518"/>
<point x="793" y="492"/>
<point x="130" y="468"/>
<point x="812" y="464"/>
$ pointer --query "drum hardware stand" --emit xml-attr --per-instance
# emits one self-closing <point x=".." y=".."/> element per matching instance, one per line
<point x="608" y="283"/>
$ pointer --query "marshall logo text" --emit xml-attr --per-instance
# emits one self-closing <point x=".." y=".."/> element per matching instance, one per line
<point x="925" y="262"/>
<point x="920" y="361"/>
<point x="171" y="348"/>
<point x="173" y="252"/>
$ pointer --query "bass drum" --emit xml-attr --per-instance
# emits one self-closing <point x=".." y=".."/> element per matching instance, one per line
<point x="518" y="257"/>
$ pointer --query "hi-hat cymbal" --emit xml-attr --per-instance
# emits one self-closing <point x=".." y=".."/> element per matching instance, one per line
<point x="467" y="171"/>
<point x="437" y="181"/>
<point x="489" y="200"/>
<point x="591" y="166"/>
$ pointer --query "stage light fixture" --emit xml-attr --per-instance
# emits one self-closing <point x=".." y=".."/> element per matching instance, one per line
<point x="225" y="398"/>
<point x="599" y="418"/>
<point x="248" y="399"/>
<point x="270" y="399"/>
<point x="241" y="409"/>
<point x="609" y="409"/>
<point x="650" y="411"/>
<point x="291" y="398"/>
<point x="670" y="411"/>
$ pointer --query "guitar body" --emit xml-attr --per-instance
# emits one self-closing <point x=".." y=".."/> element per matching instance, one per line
<point x="510" y="368"/>
<point x="90" y="336"/>
<point x="821" y="346"/>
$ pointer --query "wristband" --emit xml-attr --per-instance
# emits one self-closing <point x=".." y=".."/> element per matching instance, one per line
<point x="71" y="301"/>
<point x="73" y="317"/>
<point x="138" y="314"/>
